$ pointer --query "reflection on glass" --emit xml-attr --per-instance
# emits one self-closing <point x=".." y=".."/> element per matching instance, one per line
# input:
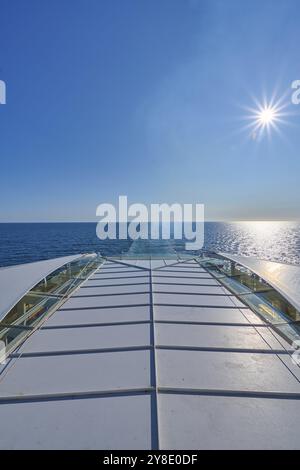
<point x="257" y="294"/>
<point x="213" y="265"/>
<point x="28" y="309"/>
<point x="26" y="313"/>
<point x="242" y="275"/>
<point x="235" y="286"/>
<point x="44" y="298"/>
<point x="251" y="280"/>
<point x="57" y="283"/>
<point x="151" y="249"/>
<point x="278" y="302"/>
<point x="264" y="309"/>
<point x="63" y="279"/>
<point x="290" y="332"/>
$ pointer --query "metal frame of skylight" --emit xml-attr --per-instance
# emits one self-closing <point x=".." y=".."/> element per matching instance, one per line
<point x="243" y="296"/>
<point x="61" y="300"/>
<point x="154" y="389"/>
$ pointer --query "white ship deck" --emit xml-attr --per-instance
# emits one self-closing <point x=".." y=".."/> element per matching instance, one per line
<point x="151" y="354"/>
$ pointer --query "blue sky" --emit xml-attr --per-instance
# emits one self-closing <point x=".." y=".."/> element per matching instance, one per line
<point x="146" y="99"/>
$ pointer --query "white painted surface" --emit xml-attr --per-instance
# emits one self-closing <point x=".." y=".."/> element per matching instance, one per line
<point x="225" y="371"/>
<point x="211" y="422"/>
<point x="195" y="300"/>
<point x="93" y="337"/>
<point x="210" y="336"/>
<point x="95" y="423"/>
<point x="203" y="314"/>
<point x="101" y="315"/>
<point x="77" y="373"/>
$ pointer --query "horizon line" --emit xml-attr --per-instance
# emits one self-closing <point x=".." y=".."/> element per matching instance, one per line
<point x="96" y="221"/>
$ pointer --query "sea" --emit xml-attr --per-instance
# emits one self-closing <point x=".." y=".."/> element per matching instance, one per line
<point x="28" y="242"/>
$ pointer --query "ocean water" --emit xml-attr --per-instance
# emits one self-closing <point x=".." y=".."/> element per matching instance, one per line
<point x="22" y="243"/>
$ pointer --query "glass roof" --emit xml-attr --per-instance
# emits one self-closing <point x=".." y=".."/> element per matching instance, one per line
<point x="252" y="290"/>
<point x="257" y="294"/>
<point x="162" y="353"/>
<point x="44" y="298"/>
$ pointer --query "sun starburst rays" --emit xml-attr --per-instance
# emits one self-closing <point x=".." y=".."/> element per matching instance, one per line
<point x="266" y="117"/>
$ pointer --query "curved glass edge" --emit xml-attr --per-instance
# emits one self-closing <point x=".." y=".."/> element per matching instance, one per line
<point x="44" y="298"/>
<point x="256" y="294"/>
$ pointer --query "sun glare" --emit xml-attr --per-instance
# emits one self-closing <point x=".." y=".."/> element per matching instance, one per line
<point x="267" y="116"/>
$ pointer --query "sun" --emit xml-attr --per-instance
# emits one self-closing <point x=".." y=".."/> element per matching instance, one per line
<point x="267" y="116"/>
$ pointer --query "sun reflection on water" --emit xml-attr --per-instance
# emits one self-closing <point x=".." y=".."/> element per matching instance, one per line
<point x="270" y="240"/>
<point x="274" y="240"/>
